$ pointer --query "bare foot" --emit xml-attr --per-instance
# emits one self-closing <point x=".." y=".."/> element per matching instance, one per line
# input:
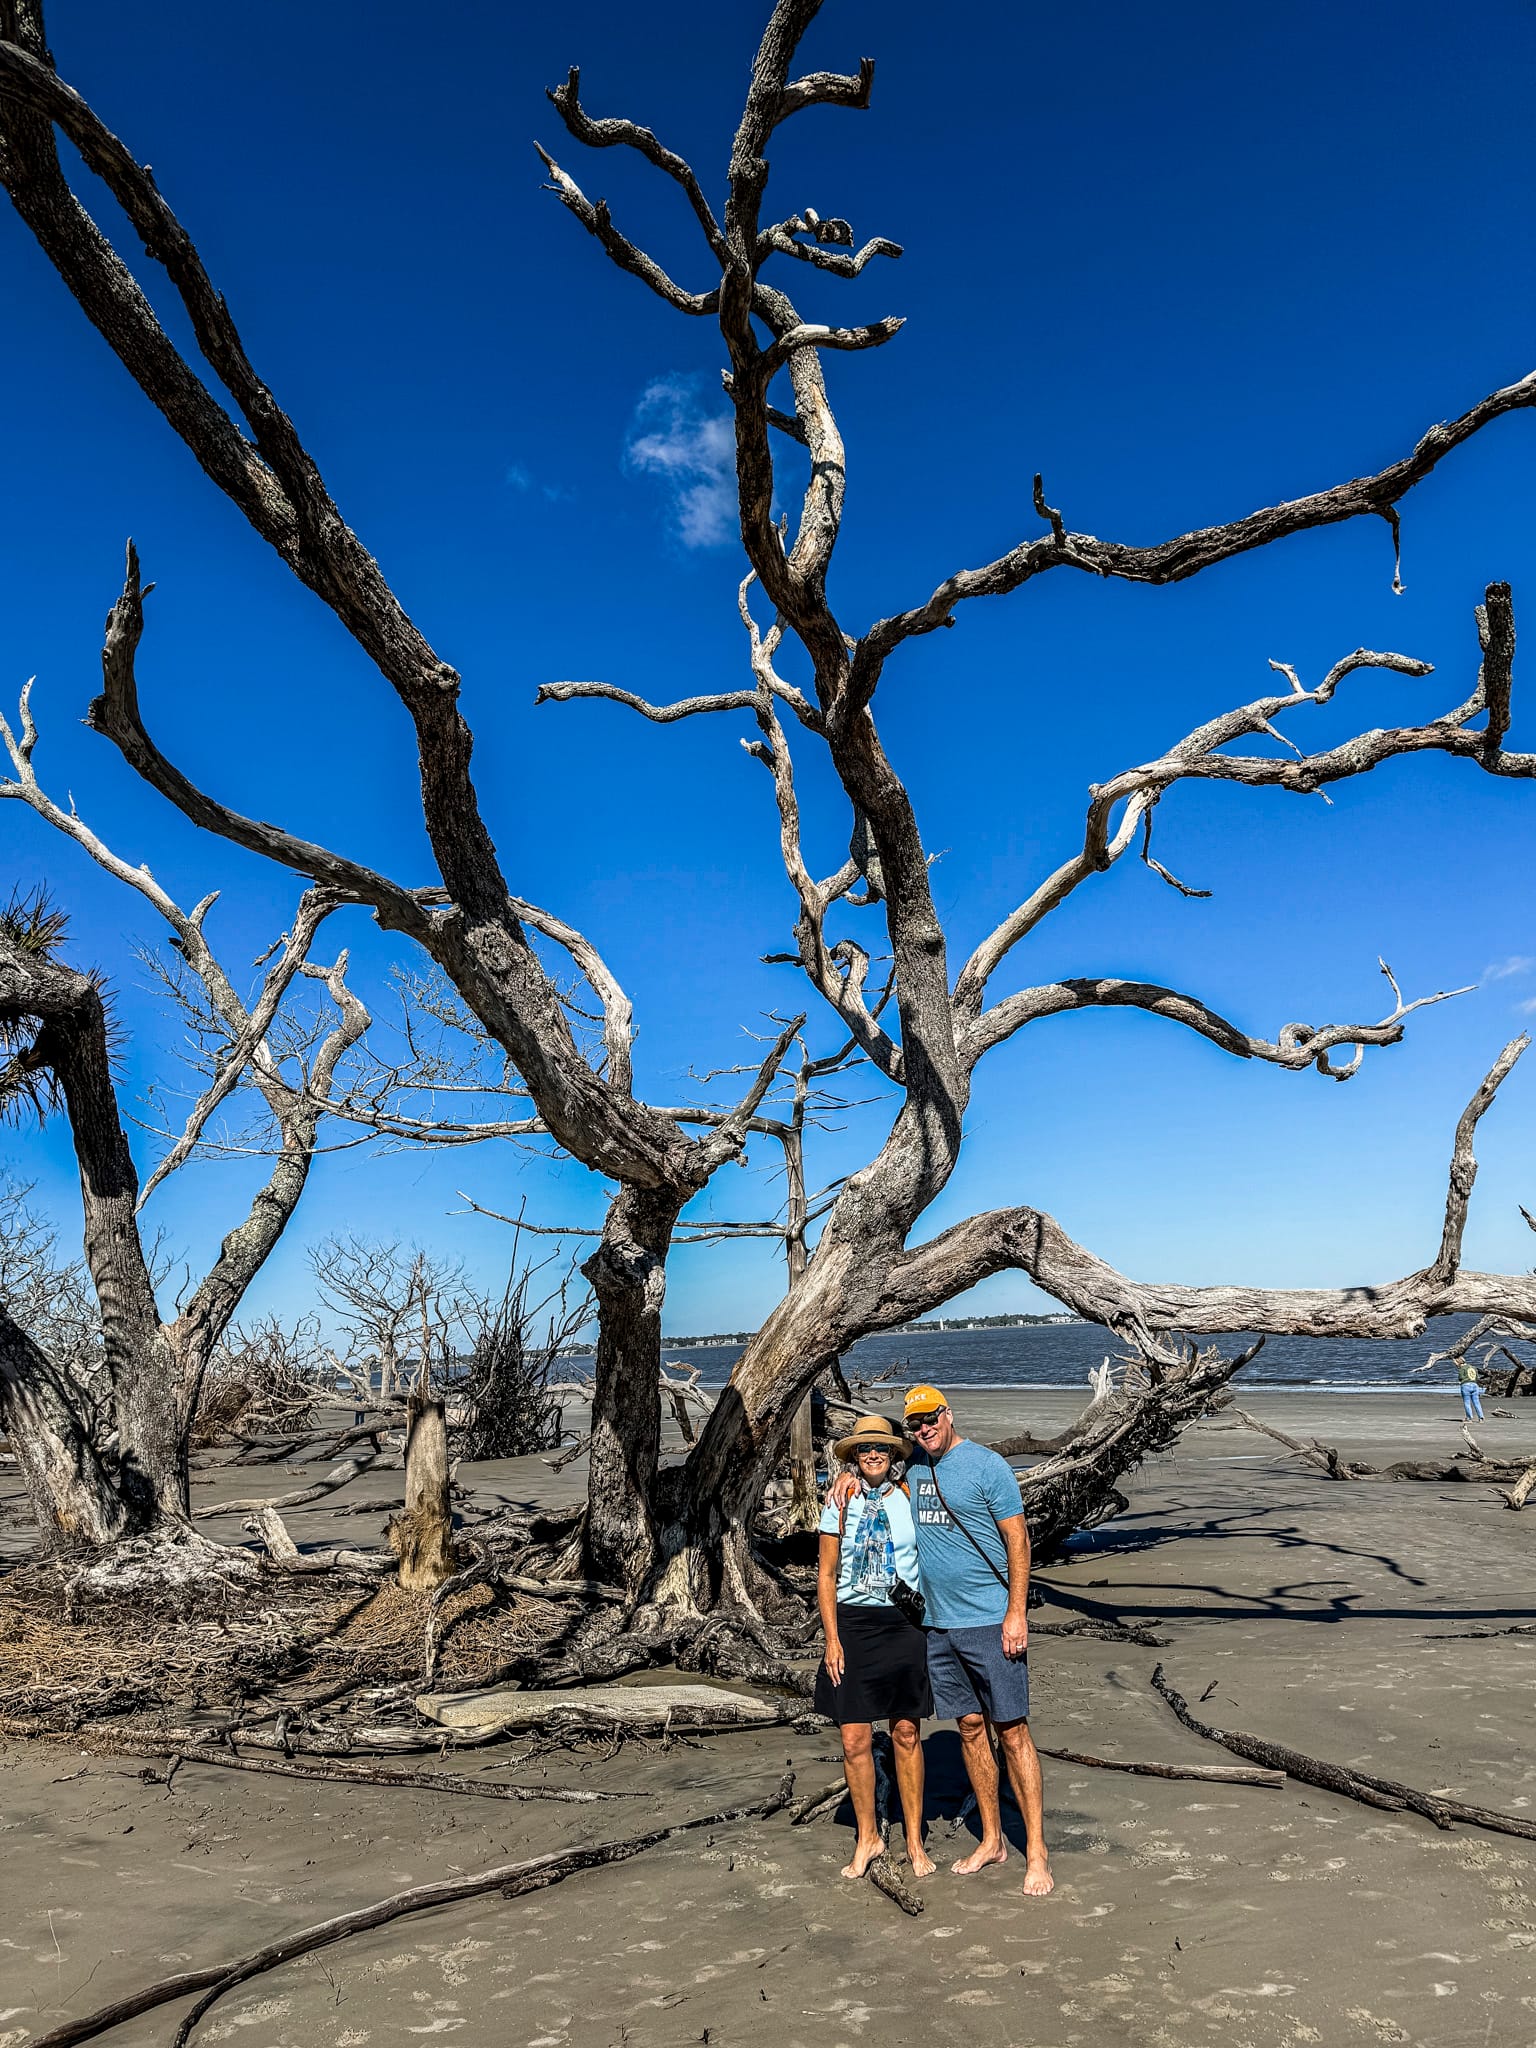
<point x="920" y="1860"/>
<point x="967" y="1866"/>
<point x="1038" y="1880"/>
<point x="864" y="1854"/>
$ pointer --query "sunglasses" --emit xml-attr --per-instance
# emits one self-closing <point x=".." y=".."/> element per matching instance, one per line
<point x="924" y="1421"/>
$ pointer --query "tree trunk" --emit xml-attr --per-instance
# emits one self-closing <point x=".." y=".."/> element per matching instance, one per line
<point x="628" y="1274"/>
<point x="804" y="1510"/>
<point x="73" y="1495"/>
<point x="422" y="1537"/>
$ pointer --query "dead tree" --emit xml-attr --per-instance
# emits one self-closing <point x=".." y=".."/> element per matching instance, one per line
<point x="508" y="1406"/>
<point x="866" y="1274"/>
<point x="680" y="1535"/>
<point x="399" y="1308"/>
<point x="86" y="1488"/>
<point x="111" y="1461"/>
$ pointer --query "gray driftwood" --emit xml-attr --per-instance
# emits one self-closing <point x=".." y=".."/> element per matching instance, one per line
<point x="636" y="1709"/>
<point x="1385" y="1793"/>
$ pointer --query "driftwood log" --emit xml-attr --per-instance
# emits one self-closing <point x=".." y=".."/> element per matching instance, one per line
<point x="1470" y="1467"/>
<point x="1385" y="1793"/>
<point x="637" y="1709"/>
<point x="1212" y="1774"/>
<point x="512" y="1880"/>
<point x="284" y="1555"/>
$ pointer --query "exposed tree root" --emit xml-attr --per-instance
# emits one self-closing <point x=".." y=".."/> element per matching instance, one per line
<point x="284" y="1555"/>
<point x="512" y="1880"/>
<point x="176" y="1565"/>
<point x="1385" y="1793"/>
<point x="815" y="1804"/>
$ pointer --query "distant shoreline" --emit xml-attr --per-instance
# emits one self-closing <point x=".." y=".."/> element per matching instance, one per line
<point x="944" y="1323"/>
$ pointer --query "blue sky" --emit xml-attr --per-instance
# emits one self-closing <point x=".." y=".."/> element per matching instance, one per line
<point x="1183" y="261"/>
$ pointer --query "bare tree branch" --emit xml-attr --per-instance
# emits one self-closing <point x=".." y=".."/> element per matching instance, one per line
<point x="1298" y="1045"/>
<point x="1463" y="1170"/>
<point x="598" y="222"/>
<point x="115" y="713"/>
<point x="292" y="960"/>
<point x="1144" y="1311"/>
<point x="1109" y="831"/>
<point x="609" y="133"/>
<point x="1187" y="554"/>
<point x="618" y="1011"/>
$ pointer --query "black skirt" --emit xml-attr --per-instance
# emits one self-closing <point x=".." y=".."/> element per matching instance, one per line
<point x="885" y="1669"/>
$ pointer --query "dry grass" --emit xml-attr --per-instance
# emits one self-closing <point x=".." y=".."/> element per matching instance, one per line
<point x="112" y="1662"/>
<point x="298" y="1635"/>
<point x="475" y="1632"/>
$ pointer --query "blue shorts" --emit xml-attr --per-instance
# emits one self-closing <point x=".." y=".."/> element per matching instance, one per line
<point x="970" y="1675"/>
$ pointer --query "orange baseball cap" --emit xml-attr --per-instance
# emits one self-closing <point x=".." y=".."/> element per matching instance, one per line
<point x="922" y="1401"/>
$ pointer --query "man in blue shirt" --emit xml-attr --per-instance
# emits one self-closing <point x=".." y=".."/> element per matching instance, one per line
<point x="973" y="1549"/>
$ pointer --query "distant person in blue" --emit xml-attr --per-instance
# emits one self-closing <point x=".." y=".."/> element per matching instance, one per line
<point x="876" y="1664"/>
<point x="973" y="1550"/>
<point x="1471" y="1392"/>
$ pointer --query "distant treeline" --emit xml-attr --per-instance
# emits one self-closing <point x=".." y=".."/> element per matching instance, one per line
<point x="935" y="1323"/>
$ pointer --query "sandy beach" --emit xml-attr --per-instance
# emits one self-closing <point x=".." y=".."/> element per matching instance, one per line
<point x="1355" y="1622"/>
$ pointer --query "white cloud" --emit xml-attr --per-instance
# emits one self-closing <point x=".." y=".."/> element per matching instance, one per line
<point x="1528" y="1007"/>
<point x="1505" y="970"/>
<point x="692" y="451"/>
<point x="519" y="476"/>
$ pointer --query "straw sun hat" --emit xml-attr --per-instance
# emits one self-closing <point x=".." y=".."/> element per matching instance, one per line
<point x="872" y="1432"/>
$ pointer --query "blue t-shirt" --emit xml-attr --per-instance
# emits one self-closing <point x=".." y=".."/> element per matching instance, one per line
<point x="865" y="1570"/>
<point x="960" y="1588"/>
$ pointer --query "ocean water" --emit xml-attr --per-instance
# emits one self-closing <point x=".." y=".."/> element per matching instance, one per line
<point x="1063" y="1355"/>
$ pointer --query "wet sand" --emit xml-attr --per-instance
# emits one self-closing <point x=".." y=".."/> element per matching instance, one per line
<point x="1326" y="1616"/>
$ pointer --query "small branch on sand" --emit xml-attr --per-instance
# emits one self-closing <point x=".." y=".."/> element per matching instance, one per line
<point x="512" y="1880"/>
<point x="332" y="1771"/>
<point x="1215" y="1774"/>
<point x="1384" y="1793"/>
<point x="1480" y="1635"/>
<point x="341" y="1475"/>
<point x="827" y="1800"/>
<point x="1101" y="1630"/>
<point x="1323" y="1456"/>
<point x="1520" y="1492"/>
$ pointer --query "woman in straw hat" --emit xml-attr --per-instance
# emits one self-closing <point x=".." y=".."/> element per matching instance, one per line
<point x="876" y="1665"/>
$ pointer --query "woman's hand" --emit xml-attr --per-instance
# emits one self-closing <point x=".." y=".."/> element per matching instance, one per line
<point x="834" y="1660"/>
<point x="844" y="1487"/>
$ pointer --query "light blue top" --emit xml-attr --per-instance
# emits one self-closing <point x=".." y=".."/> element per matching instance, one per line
<point x="862" y="1580"/>
<point x="961" y="1589"/>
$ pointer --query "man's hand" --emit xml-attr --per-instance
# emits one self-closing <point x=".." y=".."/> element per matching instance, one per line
<point x="1015" y="1632"/>
<point x="844" y="1487"/>
<point x="834" y="1660"/>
